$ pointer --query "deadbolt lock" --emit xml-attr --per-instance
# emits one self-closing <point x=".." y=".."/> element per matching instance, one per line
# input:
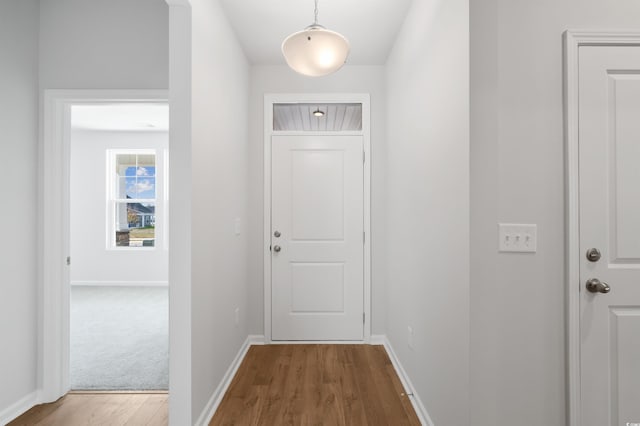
<point x="593" y="255"/>
<point x="277" y="234"/>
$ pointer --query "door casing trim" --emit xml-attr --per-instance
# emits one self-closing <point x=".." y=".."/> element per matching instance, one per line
<point x="274" y="98"/>
<point x="573" y="40"/>
<point x="54" y="228"/>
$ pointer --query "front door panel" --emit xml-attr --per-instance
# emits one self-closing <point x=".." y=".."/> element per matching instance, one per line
<point x="609" y="144"/>
<point x="317" y="238"/>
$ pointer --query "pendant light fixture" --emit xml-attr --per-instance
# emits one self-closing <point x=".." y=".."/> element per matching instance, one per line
<point x="315" y="51"/>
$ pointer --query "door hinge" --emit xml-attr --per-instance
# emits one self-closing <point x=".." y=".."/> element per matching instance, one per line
<point x="68" y="260"/>
<point x="363" y="237"/>
<point x="364" y="156"/>
<point x="363" y="317"/>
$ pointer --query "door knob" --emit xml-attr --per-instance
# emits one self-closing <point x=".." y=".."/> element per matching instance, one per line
<point x="594" y="285"/>
<point x="276" y="249"/>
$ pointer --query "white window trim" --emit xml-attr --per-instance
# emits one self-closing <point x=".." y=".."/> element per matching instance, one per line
<point x="111" y="200"/>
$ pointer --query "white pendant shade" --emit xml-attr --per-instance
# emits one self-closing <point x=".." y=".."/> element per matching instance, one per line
<point x="315" y="51"/>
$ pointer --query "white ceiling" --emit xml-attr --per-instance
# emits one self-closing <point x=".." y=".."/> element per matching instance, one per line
<point x="149" y="117"/>
<point x="370" y="25"/>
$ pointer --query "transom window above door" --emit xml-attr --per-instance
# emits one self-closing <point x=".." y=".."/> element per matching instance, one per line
<point x="323" y="117"/>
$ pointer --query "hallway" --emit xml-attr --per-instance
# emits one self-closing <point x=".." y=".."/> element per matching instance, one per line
<point x="275" y="385"/>
<point x="315" y="385"/>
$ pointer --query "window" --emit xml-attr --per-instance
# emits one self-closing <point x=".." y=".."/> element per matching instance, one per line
<point x="133" y="198"/>
<point x="328" y="117"/>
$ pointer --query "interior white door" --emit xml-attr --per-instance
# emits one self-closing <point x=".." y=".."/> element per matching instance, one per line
<point x="317" y="255"/>
<point x="609" y="169"/>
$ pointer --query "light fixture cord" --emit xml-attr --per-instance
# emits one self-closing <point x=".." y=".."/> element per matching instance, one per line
<point x="315" y="11"/>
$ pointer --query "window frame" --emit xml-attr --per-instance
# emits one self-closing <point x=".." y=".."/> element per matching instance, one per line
<point x="112" y="199"/>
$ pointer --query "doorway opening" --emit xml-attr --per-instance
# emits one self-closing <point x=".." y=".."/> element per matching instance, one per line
<point x="118" y="324"/>
<point x="103" y="242"/>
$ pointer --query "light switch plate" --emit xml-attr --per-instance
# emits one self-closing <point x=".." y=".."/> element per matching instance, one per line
<point x="517" y="238"/>
<point x="237" y="228"/>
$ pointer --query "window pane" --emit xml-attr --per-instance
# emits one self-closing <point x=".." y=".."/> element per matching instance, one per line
<point x="145" y="171"/>
<point x="146" y="188"/>
<point x="135" y="224"/>
<point x="123" y="162"/>
<point x="130" y="188"/>
<point x="121" y="190"/>
<point x="146" y="160"/>
<point x="331" y="117"/>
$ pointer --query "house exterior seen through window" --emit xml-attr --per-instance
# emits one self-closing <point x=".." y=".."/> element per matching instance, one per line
<point x="133" y="198"/>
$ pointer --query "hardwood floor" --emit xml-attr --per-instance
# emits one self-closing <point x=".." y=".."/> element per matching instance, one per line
<point x="330" y="385"/>
<point x="316" y="385"/>
<point x="81" y="409"/>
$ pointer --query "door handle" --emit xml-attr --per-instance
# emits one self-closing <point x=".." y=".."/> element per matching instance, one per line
<point x="594" y="285"/>
<point x="277" y="249"/>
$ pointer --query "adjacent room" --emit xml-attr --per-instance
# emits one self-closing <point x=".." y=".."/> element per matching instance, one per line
<point x="199" y="196"/>
<point x="119" y="316"/>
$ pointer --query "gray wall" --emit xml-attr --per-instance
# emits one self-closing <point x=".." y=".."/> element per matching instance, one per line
<point x="59" y="44"/>
<point x="92" y="263"/>
<point x="218" y="191"/>
<point x="517" y="301"/>
<point x="350" y="79"/>
<point x="19" y="189"/>
<point x="428" y="205"/>
<point x="97" y="44"/>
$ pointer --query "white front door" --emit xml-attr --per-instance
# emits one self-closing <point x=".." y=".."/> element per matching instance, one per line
<point x="317" y="231"/>
<point x="609" y="170"/>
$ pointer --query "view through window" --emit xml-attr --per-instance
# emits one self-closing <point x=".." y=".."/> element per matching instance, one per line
<point x="134" y="198"/>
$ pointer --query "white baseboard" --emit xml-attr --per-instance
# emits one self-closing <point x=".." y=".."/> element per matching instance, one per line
<point x="256" y="339"/>
<point x="18" y="408"/>
<point x="120" y="283"/>
<point x="318" y="342"/>
<point x="378" y="339"/>
<point x="418" y="406"/>
<point x="218" y="394"/>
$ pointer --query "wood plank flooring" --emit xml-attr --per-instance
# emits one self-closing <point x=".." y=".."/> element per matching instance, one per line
<point x="81" y="409"/>
<point x="330" y="385"/>
<point x="316" y="385"/>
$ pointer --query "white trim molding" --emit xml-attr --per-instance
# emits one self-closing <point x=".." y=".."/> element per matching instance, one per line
<point x="416" y="402"/>
<point x="573" y="40"/>
<point x="179" y="232"/>
<point x="86" y="283"/>
<point x="18" y="408"/>
<point x="216" y="398"/>
<point x="325" y="98"/>
<point x="53" y="335"/>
